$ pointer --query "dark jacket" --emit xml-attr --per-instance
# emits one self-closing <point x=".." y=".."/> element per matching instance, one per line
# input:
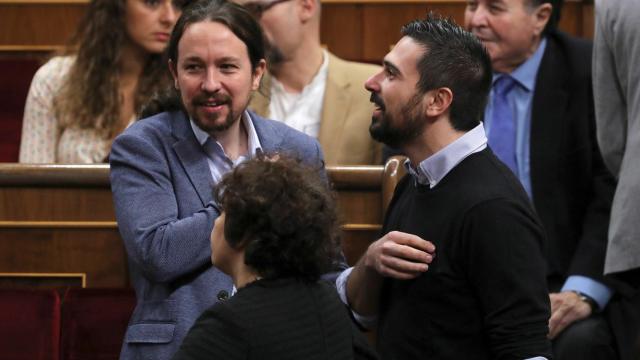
<point x="277" y="319"/>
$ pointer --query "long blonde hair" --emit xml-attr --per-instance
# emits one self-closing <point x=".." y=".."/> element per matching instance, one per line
<point x="89" y="97"/>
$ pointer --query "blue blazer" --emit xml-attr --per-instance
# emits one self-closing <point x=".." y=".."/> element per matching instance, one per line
<point x="163" y="195"/>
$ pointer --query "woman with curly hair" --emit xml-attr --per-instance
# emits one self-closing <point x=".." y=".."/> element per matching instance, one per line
<point x="276" y="235"/>
<point x="80" y="101"/>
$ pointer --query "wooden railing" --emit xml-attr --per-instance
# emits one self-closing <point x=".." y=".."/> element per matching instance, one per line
<point x="58" y="228"/>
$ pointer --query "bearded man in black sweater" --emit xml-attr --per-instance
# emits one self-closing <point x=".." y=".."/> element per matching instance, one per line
<point x="484" y="296"/>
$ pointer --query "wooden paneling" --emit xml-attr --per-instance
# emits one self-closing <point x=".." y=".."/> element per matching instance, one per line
<point x="45" y="280"/>
<point x="571" y="18"/>
<point x="98" y="253"/>
<point x="38" y="26"/>
<point x="588" y="21"/>
<point x="352" y="29"/>
<point x="57" y="222"/>
<point x="355" y="243"/>
<point x="355" y="206"/>
<point x="382" y="24"/>
<point x="342" y="28"/>
<point x="55" y="204"/>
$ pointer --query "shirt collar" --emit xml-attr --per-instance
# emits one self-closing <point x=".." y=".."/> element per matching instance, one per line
<point x="433" y="169"/>
<point x="253" y="140"/>
<point x="525" y="74"/>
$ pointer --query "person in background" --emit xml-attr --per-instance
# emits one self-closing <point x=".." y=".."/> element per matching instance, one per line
<point x="310" y="89"/>
<point x="540" y="123"/>
<point x="79" y="102"/>
<point x="275" y="236"/>
<point x="163" y="170"/>
<point x="459" y="272"/>
<point x="616" y="86"/>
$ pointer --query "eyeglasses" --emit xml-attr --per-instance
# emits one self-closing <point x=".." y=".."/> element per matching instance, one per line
<point x="256" y="8"/>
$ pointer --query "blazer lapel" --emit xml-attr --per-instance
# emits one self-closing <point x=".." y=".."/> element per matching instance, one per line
<point x="335" y="108"/>
<point x="270" y="140"/>
<point x="549" y="107"/>
<point x="192" y="157"/>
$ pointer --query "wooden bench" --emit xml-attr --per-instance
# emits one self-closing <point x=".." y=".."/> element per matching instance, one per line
<point x="58" y="228"/>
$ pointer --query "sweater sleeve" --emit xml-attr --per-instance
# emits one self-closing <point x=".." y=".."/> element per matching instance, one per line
<point x="505" y="266"/>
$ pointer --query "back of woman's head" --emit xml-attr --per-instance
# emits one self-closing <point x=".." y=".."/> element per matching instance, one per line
<point x="283" y="213"/>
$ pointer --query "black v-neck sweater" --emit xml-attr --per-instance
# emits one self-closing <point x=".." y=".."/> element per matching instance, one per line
<point x="485" y="294"/>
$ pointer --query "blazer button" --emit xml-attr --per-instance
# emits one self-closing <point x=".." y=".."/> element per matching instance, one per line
<point x="223" y="295"/>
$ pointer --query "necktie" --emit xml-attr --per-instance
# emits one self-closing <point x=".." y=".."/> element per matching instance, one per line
<point x="502" y="137"/>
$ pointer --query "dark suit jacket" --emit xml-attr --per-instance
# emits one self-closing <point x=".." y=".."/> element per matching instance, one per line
<point x="572" y="189"/>
<point x="162" y="190"/>
<point x="277" y="319"/>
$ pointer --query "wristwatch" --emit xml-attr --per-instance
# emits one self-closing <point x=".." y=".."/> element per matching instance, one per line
<point x="589" y="300"/>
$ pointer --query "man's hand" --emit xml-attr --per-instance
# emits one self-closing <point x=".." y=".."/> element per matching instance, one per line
<point x="566" y="308"/>
<point x="400" y="255"/>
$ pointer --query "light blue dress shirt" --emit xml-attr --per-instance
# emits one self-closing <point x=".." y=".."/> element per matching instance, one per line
<point x="433" y="169"/>
<point x="520" y="98"/>
<point x="219" y="162"/>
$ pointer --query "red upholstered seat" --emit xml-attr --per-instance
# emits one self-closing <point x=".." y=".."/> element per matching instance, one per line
<point x="29" y="324"/>
<point x="94" y="322"/>
<point x="14" y="87"/>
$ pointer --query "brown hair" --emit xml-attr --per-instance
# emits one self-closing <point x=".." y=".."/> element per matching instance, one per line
<point x="89" y="96"/>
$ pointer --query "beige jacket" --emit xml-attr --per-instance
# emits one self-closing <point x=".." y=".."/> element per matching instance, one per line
<point x="346" y="113"/>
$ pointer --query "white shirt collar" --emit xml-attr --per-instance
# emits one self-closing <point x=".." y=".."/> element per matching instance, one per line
<point x="433" y="169"/>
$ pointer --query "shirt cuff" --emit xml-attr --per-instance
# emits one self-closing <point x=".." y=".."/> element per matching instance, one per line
<point x="598" y="291"/>
<point x="367" y="322"/>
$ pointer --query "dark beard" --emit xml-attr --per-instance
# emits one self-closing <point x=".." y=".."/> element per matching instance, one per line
<point x="408" y="127"/>
<point x="229" y="120"/>
<point x="211" y="129"/>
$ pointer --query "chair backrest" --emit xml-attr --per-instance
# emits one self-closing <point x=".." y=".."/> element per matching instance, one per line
<point x="29" y="324"/>
<point x="394" y="171"/>
<point x="94" y="322"/>
<point x="14" y="86"/>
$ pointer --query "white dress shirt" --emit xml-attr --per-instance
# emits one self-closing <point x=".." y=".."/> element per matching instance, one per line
<point x="301" y="111"/>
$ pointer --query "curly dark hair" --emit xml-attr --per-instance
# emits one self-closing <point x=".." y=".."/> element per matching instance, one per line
<point x="283" y="213"/>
